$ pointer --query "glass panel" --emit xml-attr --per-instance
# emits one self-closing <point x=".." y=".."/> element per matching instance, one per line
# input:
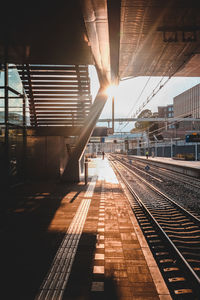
<point x="15" y="156"/>
<point x="94" y="81"/>
<point x="1" y="78"/>
<point x="2" y="156"/>
<point x="15" y="115"/>
<point x="1" y="110"/>
<point x="14" y="79"/>
<point x="27" y="113"/>
<point x="1" y="100"/>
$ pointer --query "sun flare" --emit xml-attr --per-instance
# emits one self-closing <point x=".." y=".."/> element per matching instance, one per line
<point x="111" y="91"/>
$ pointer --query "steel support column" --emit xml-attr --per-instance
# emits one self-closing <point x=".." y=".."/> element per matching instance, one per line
<point x="114" y="10"/>
<point x="6" y="138"/>
<point x="6" y="100"/>
<point x="24" y="138"/>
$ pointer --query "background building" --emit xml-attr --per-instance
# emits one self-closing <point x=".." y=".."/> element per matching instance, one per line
<point x="187" y="105"/>
<point x="166" y="111"/>
<point x="166" y="129"/>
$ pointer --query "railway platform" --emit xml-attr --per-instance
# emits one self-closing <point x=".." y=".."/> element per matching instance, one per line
<point x="76" y="242"/>
<point x="191" y="168"/>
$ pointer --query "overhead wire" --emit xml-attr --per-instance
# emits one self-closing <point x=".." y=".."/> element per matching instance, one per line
<point x="161" y="86"/>
<point x="169" y="3"/>
<point x="169" y="77"/>
<point x="138" y="98"/>
<point x="175" y="122"/>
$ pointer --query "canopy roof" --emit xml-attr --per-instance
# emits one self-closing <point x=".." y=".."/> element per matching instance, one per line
<point x="122" y="38"/>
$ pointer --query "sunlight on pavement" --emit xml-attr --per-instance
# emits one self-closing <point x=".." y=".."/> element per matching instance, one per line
<point x="103" y="170"/>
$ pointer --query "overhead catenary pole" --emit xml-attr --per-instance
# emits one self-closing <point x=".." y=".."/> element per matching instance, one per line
<point x="196" y="151"/>
<point x="113" y="114"/>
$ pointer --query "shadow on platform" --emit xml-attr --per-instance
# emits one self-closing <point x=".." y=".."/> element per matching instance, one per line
<point x="29" y="244"/>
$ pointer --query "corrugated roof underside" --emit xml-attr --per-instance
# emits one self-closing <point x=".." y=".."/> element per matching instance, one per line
<point x="152" y="42"/>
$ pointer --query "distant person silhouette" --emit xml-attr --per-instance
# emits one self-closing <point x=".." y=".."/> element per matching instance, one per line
<point x="147" y="154"/>
<point x="103" y="153"/>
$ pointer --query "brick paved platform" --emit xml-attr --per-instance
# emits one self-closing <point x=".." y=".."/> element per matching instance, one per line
<point x="109" y="259"/>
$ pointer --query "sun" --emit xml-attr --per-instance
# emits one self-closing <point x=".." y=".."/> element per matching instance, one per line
<point x="111" y="90"/>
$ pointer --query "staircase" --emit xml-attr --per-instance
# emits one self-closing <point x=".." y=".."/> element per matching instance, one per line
<point x="58" y="95"/>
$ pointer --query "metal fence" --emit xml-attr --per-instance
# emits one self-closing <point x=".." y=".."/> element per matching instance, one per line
<point x="174" y="149"/>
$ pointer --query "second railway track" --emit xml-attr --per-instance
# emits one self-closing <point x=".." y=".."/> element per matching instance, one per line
<point x="172" y="232"/>
<point x="184" y="189"/>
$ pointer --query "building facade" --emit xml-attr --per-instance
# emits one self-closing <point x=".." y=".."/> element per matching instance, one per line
<point x="187" y="105"/>
<point x="166" y="128"/>
<point x="166" y="111"/>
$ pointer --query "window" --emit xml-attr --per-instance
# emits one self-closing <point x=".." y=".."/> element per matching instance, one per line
<point x="171" y="126"/>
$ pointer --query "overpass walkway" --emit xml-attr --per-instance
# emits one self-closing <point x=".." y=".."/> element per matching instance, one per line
<point x="64" y="241"/>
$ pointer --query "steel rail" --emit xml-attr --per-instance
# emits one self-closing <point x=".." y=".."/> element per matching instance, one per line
<point x="163" y="194"/>
<point x="175" y="174"/>
<point x="195" y="282"/>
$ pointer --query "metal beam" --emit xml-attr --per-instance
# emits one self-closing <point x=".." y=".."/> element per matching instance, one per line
<point x="6" y="120"/>
<point x="24" y="138"/>
<point x="54" y="130"/>
<point x="121" y="120"/>
<point x="31" y="97"/>
<point x="114" y="10"/>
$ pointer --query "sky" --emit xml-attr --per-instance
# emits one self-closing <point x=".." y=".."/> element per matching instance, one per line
<point x="15" y="105"/>
<point x="132" y="93"/>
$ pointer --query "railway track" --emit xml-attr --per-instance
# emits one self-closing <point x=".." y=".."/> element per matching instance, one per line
<point x="191" y="182"/>
<point x="170" y="182"/>
<point x="172" y="232"/>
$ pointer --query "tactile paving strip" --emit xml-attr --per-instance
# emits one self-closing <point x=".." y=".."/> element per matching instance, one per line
<point x="56" y="280"/>
<point x="98" y="286"/>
